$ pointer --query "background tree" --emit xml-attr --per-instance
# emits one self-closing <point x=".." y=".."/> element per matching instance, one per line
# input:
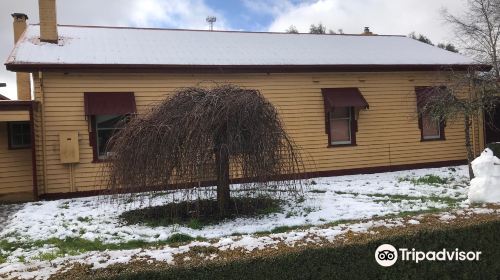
<point x="200" y="134"/>
<point x="477" y="31"/>
<point x="424" y="39"/>
<point x="461" y="96"/>
<point x="421" y="38"/>
<point x="317" y="29"/>
<point x="292" y="29"/>
<point x="449" y="47"/>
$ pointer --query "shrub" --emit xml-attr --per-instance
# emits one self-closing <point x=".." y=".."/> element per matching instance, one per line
<point x="179" y="238"/>
<point x="495" y="147"/>
<point x="185" y="213"/>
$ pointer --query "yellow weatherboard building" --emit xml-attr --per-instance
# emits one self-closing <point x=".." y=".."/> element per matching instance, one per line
<point x="349" y="101"/>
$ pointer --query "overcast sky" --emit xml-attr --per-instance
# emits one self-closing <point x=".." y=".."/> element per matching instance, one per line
<point x="382" y="16"/>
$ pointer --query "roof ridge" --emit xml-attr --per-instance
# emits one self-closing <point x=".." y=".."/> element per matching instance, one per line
<point x="217" y="31"/>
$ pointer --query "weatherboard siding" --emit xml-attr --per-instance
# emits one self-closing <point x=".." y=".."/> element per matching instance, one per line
<point x="388" y="132"/>
<point x="15" y="174"/>
<point x="14" y="116"/>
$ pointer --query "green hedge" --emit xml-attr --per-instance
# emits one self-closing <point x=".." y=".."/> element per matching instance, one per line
<point x="357" y="261"/>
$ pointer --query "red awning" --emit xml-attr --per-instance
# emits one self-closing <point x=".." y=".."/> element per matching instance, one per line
<point x="344" y="97"/>
<point x="109" y="103"/>
<point x="425" y="93"/>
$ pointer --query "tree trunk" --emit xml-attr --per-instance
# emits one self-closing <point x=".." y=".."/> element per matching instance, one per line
<point x="468" y="145"/>
<point x="222" y="169"/>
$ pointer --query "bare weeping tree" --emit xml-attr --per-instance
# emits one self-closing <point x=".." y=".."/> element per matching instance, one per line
<point x="201" y="134"/>
<point x="464" y="96"/>
<point x="477" y="31"/>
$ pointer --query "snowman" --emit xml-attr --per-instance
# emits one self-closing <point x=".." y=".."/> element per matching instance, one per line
<point x="485" y="187"/>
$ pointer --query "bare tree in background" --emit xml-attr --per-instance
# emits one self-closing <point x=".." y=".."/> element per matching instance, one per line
<point x="463" y="96"/>
<point x="478" y="30"/>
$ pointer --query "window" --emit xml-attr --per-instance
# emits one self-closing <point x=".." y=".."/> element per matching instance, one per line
<point x="107" y="112"/>
<point x="431" y="129"/>
<point x="19" y="135"/>
<point x="341" y="126"/>
<point x="341" y="106"/>
<point x="105" y="126"/>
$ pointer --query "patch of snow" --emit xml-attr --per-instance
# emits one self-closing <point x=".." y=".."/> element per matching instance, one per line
<point x="483" y="211"/>
<point x="447" y="217"/>
<point x="413" y="222"/>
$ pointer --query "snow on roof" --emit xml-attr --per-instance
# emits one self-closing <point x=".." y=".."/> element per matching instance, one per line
<point x="134" y="46"/>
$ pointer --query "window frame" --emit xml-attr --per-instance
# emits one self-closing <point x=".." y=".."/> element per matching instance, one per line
<point x="11" y="145"/>
<point x="353" y="128"/>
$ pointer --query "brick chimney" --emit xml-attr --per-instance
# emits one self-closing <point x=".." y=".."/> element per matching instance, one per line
<point x="22" y="79"/>
<point x="367" y="31"/>
<point x="48" y="21"/>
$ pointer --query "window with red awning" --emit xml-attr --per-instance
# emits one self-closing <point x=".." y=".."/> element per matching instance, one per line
<point x="341" y="105"/>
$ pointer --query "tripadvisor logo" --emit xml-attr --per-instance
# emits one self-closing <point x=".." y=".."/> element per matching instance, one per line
<point x="387" y="255"/>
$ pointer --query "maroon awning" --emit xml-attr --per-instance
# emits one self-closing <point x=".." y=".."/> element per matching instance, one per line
<point x="425" y="93"/>
<point x="109" y="103"/>
<point x="344" y="97"/>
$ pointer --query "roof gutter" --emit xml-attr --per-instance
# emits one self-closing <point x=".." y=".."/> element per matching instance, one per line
<point x="17" y="67"/>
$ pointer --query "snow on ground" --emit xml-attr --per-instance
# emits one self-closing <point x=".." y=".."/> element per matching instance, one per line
<point x="166" y="254"/>
<point x="327" y="200"/>
<point x="245" y="243"/>
<point x="331" y="199"/>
